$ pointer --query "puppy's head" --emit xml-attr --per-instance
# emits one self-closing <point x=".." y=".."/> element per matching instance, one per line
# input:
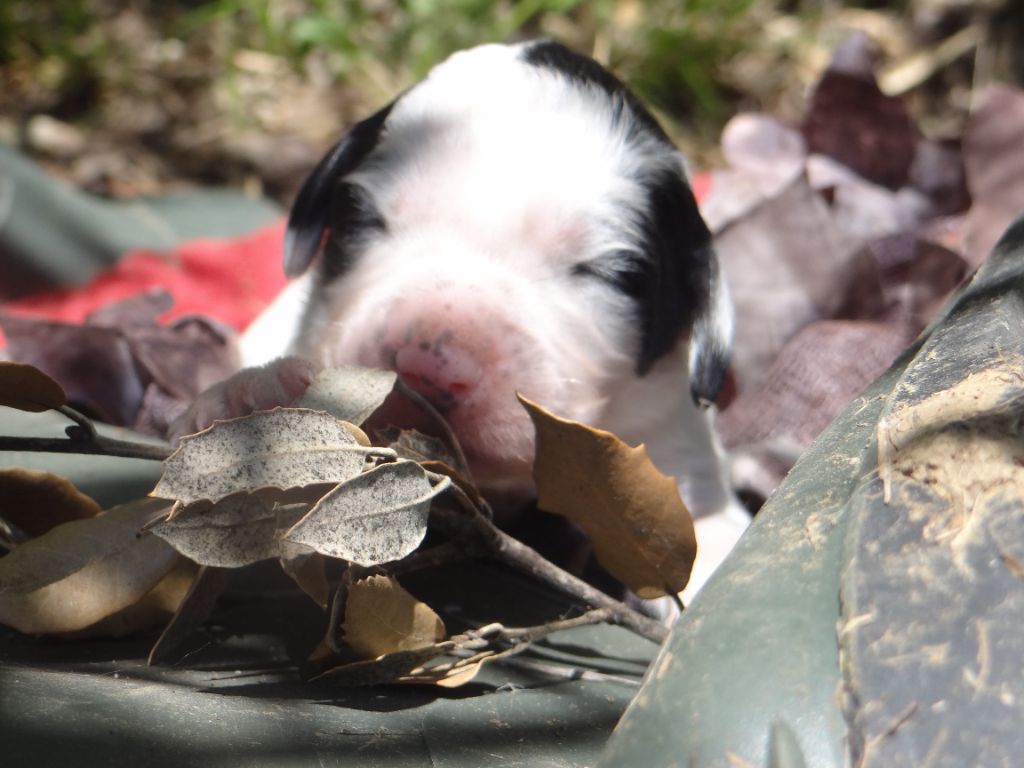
<point x="515" y="222"/>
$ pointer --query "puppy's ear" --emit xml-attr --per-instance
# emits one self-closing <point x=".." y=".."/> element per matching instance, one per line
<point x="308" y="219"/>
<point x="711" y="338"/>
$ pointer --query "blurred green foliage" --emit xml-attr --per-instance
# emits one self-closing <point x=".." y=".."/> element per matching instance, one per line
<point x="671" y="50"/>
<point x="694" y="61"/>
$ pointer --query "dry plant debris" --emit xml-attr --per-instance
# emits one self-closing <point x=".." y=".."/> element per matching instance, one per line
<point x="302" y="486"/>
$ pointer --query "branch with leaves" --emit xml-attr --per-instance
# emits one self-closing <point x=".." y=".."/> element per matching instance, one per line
<point x="305" y="484"/>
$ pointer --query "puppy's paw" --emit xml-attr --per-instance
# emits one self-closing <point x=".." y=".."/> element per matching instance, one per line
<point x="275" y="384"/>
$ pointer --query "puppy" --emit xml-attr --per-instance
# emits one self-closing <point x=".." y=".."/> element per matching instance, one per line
<point x="517" y="221"/>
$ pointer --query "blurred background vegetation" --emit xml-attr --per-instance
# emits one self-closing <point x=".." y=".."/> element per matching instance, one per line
<point x="132" y="97"/>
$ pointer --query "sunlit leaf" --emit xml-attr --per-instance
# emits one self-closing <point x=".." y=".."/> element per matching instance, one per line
<point x="379" y="516"/>
<point x="381" y="618"/>
<point x="641" y="531"/>
<point x="281" y="448"/>
<point x="349" y="393"/>
<point x="83" y="571"/>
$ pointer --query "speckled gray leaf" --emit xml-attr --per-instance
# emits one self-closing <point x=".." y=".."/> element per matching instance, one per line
<point x="374" y="518"/>
<point x="282" y="448"/>
<point x="236" y="531"/>
<point x="349" y="393"/>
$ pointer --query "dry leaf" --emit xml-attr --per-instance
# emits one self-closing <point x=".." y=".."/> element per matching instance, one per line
<point x="641" y="531"/>
<point x="27" y="388"/>
<point x="790" y="248"/>
<point x="851" y="120"/>
<point x="381" y="618"/>
<point x="236" y="531"/>
<point x="994" y="156"/>
<point x="377" y="517"/>
<point x="307" y="570"/>
<point x="282" y="448"/>
<point x="455" y="677"/>
<point x="37" y="501"/>
<point x="154" y="609"/>
<point x="388" y="668"/>
<point x="73" y="546"/>
<point x="94" y="364"/>
<point x="194" y="609"/>
<point x="83" y="571"/>
<point x="415" y="445"/>
<point x="349" y="393"/>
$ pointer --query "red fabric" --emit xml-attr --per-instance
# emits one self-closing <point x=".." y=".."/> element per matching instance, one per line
<point x="232" y="280"/>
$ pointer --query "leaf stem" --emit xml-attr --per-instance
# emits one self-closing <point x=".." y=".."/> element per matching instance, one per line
<point x="83" y="438"/>
<point x="512" y="552"/>
<point x="103" y="446"/>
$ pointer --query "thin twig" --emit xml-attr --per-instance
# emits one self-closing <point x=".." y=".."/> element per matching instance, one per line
<point x="85" y="424"/>
<point x="103" y="446"/>
<point x="512" y="552"/>
<point x="83" y="438"/>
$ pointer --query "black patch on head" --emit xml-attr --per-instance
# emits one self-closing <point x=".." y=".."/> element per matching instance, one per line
<point x="671" y="276"/>
<point x="585" y="71"/>
<point x="314" y="208"/>
<point x="676" y="244"/>
<point x="353" y="217"/>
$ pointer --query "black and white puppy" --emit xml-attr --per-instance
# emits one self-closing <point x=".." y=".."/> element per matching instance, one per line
<point x="517" y="221"/>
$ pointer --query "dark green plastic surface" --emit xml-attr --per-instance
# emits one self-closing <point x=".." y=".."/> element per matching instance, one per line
<point x="852" y="627"/>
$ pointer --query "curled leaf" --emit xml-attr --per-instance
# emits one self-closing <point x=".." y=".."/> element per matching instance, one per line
<point x="381" y="618"/>
<point x="641" y="531"/>
<point x="236" y="531"/>
<point x="27" y="388"/>
<point x="379" y="516"/>
<point x="281" y="448"/>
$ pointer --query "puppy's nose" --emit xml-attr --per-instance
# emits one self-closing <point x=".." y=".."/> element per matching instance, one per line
<point x="442" y="372"/>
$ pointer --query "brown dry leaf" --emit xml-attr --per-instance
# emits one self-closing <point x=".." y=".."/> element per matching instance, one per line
<point x="381" y="618"/>
<point x="27" y="388"/>
<point x="307" y="570"/>
<point x="641" y="531"/>
<point x="154" y="609"/>
<point x="281" y="448"/>
<point x="37" y="501"/>
<point x="84" y="571"/>
<point x="459" y="676"/>
<point x="194" y="608"/>
<point x="388" y="668"/>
